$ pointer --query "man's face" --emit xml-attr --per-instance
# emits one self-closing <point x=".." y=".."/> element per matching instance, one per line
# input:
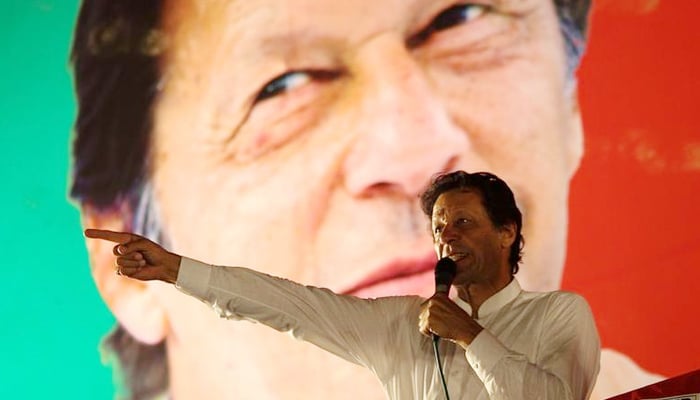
<point x="294" y="137"/>
<point x="463" y="231"/>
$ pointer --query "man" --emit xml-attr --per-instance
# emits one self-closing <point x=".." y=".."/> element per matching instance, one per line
<point x="509" y="343"/>
<point x="273" y="134"/>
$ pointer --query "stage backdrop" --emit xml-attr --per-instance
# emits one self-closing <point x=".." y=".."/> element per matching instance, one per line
<point x="52" y="317"/>
<point x="633" y="247"/>
<point x="633" y="253"/>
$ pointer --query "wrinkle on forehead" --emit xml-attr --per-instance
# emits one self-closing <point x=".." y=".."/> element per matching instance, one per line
<point x="440" y="211"/>
<point x="189" y="22"/>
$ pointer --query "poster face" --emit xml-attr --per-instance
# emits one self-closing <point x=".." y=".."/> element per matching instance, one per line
<point x="294" y="137"/>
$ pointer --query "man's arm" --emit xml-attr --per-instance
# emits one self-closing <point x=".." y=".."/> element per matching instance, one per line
<point x="567" y="363"/>
<point x="568" y="355"/>
<point x="351" y="328"/>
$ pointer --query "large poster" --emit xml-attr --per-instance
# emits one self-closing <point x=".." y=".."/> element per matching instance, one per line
<point x="294" y="137"/>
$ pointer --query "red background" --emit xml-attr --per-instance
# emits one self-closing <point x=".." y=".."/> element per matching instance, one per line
<point x="634" y="247"/>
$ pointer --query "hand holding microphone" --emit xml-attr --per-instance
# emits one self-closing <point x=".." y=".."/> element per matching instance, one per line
<point x="440" y="317"/>
<point x="445" y="271"/>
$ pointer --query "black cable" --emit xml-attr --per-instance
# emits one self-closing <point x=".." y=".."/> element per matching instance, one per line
<point x="436" y="339"/>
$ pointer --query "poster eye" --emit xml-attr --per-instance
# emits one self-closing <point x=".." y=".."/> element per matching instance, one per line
<point x="456" y="15"/>
<point x="282" y="84"/>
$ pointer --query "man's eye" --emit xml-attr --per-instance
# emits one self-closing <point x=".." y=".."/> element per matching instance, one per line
<point x="448" y="18"/>
<point x="292" y="80"/>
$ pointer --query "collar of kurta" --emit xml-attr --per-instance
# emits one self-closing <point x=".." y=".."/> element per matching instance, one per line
<point x="493" y="303"/>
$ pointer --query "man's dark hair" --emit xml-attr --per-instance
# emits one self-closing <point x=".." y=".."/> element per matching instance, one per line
<point x="116" y="55"/>
<point x="496" y="197"/>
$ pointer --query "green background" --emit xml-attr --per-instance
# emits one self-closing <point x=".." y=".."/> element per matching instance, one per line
<point x="52" y="317"/>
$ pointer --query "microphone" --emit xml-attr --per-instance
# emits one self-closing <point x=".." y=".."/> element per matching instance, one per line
<point x="445" y="271"/>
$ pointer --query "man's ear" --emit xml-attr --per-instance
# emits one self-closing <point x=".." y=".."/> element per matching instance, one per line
<point x="507" y="234"/>
<point x="131" y="301"/>
<point x="574" y="140"/>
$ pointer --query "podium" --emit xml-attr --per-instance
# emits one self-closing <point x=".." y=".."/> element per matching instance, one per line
<point x="682" y="387"/>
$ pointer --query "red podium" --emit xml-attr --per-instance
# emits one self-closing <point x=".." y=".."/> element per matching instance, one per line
<point x="682" y="387"/>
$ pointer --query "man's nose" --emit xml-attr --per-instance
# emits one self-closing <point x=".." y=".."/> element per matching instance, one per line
<point x="405" y="133"/>
<point x="447" y="235"/>
<point x="444" y="242"/>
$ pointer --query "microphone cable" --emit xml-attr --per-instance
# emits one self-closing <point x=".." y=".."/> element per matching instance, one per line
<point x="436" y="339"/>
<point x="445" y="271"/>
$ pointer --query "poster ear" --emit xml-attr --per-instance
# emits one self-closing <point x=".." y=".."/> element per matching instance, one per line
<point x="574" y="140"/>
<point x="132" y="302"/>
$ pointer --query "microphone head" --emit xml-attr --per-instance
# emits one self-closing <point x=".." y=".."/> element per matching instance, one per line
<point x="445" y="271"/>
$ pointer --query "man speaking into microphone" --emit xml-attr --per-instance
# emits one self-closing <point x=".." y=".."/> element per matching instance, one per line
<point x="500" y="342"/>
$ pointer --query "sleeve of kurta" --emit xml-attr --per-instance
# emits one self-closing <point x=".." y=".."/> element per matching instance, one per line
<point x="352" y="328"/>
<point x="567" y="363"/>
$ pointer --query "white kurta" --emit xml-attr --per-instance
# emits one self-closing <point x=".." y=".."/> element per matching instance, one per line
<point x="533" y="346"/>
